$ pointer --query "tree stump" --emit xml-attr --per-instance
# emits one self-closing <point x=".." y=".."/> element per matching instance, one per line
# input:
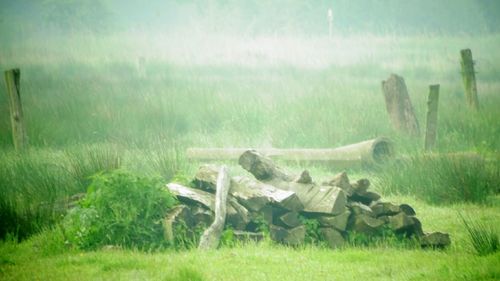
<point x="399" y="106"/>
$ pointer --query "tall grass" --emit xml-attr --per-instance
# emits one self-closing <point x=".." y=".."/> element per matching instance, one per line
<point x="442" y="178"/>
<point x="95" y="105"/>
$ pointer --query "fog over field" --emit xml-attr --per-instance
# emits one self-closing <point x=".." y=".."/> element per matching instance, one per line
<point x="115" y="94"/>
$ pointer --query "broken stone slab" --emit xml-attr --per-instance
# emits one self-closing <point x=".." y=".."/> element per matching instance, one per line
<point x="339" y="222"/>
<point x="384" y="209"/>
<point x="246" y="236"/>
<point x="332" y="237"/>
<point x="360" y="208"/>
<point x="319" y="199"/>
<point x="292" y="237"/>
<point x="304" y="178"/>
<point x="365" y="224"/>
<point x="254" y="195"/>
<point x="237" y="216"/>
<point x="178" y="216"/>
<point x="435" y="240"/>
<point x="342" y="181"/>
<point x="401" y="222"/>
<point x="288" y="220"/>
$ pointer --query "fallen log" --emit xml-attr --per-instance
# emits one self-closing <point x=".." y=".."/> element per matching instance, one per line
<point x="374" y="151"/>
<point x="211" y="237"/>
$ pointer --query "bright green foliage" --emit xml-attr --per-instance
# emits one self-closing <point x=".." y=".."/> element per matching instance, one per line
<point x="313" y="235"/>
<point x="120" y="209"/>
<point x="484" y="238"/>
<point x="385" y="238"/>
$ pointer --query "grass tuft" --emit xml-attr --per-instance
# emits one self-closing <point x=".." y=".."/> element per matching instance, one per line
<point x="484" y="238"/>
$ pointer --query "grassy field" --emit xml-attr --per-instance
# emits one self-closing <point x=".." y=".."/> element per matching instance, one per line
<point x="43" y="257"/>
<point x="129" y="100"/>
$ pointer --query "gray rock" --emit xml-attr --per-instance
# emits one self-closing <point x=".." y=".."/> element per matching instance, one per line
<point x="332" y="237"/>
<point x="435" y="240"/>
<point x="338" y="222"/>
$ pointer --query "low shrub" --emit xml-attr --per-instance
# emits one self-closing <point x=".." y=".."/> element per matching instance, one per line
<point x="120" y="209"/>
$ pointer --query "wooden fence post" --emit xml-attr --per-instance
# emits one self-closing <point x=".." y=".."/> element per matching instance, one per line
<point x="432" y="108"/>
<point x="12" y="80"/>
<point x="469" y="78"/>
<point x="399" y="106"/>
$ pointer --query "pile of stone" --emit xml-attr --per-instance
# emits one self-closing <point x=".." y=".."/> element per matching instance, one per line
<point x="278" y="200"/>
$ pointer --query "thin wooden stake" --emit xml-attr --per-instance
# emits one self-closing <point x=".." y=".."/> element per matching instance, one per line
<point x="432" y="109"/>
<point x="12" y="80"/>
<point x="469" y="78"/>
<point x="211" y="237"/>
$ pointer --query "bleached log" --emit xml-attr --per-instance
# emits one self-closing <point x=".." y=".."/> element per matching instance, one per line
<point x="368" y="152"/>
<point x="211" y="237"/>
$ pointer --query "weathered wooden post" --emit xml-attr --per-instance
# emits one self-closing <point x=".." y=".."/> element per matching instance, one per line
<point x="399" y="106"/>
<point x="432" y="108"/>
<point x="12" y="82"/>
<point x="469" y="78"/>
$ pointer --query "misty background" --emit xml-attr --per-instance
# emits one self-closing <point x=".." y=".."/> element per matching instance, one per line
<point x="19" y="18"/>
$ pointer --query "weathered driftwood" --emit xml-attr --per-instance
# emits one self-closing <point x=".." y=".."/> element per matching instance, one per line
<point x="315" y="198"/>
<point x="469" y="78"/>
<point x="12" y="82"/>
<point x="262" y="167"/>
<point x="368" y="152"/>
<point x="254" y="195"/>
<point x="432" y="113"/>
<point x="237" y="215"/>
<point x="190" y="195"/>
<point x="399" y="106"/>
<point x="211" y="236"/>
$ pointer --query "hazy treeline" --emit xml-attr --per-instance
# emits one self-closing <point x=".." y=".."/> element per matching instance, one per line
<point x="250" y="17"/>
